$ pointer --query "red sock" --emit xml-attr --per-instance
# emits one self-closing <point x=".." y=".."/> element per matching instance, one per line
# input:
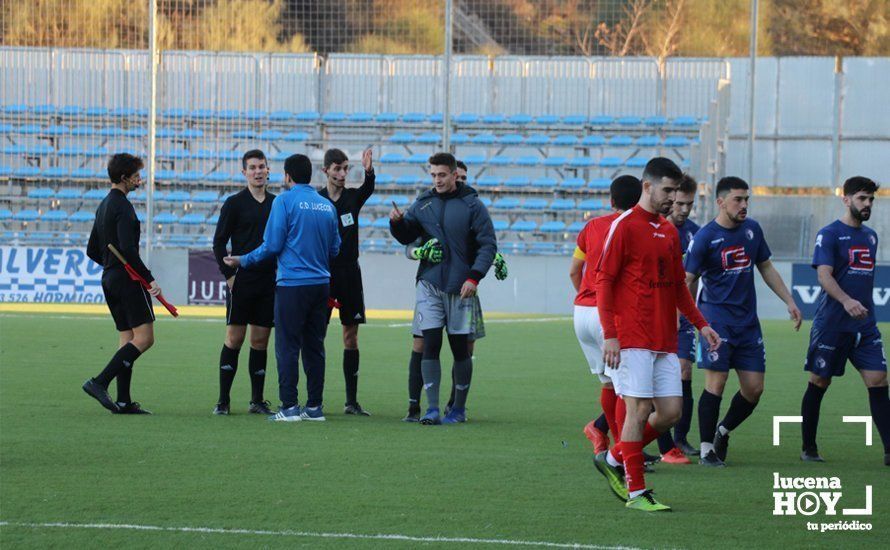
<point x="649" y="434"/>
<point x="633" y="465"/>
<point x="620" y="414"/>
<point x="607" y="400"/>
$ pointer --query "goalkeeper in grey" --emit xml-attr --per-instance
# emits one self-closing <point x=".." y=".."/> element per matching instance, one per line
<point x="445" y="291"/>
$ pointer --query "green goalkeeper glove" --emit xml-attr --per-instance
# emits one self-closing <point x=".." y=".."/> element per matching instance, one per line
<point x="500" y="267"/>
<point x="431" y="251"/>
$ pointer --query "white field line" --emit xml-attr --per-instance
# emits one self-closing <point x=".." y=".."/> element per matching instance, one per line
<point x="306" y="534"/>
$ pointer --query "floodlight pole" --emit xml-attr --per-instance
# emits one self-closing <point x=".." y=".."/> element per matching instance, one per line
<point x="154" y="59"/>
<point x="752" y="52"/>
<point x="446" y="77"/>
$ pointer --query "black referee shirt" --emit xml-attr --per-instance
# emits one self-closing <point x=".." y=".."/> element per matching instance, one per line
<point x="348" y="207"/>
<point x="116" y="224"/>
<point x="243" y="221"/>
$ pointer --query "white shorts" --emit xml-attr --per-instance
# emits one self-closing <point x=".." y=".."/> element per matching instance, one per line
<point x="590" y="335"/>
<point x="647" y="374"/>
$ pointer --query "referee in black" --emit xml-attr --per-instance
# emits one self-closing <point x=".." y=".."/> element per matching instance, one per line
<point x="346" y="275"/>
<point x="128" y="301"/>
<point x="250" y="299"/>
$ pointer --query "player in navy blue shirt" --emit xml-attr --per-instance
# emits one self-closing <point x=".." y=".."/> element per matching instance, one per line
<point x="723" y="253"/>
<point x="844" y="327"/>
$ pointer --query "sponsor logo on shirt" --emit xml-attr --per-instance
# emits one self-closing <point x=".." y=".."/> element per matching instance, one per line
<point x="735" y="258"/>
<point x="861" y="259"/>
<point x="819" y="239"/>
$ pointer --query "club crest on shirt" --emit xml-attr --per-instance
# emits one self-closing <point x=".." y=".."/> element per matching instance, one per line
<point x="872" y="240"/>
<point x="819" y="239"/>
<point x="750" y="234"/>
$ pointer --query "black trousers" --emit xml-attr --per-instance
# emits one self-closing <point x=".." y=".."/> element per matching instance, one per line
<point x="301" y="315"/>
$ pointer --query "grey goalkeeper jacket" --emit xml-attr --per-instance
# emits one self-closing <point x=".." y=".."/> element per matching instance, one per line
<point x="461" y="223"/>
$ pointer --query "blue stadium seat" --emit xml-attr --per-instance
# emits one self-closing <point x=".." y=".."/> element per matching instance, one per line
<point x="547" y="120"/>
<point x="488" y="181"/>
<point x="593" y="141"/>
<point x="28" y="172"/>
<point x="572" y="183"/>
<point x="392" y="158"/>
<point x="253" y="114"/>
<point x="212" y="220"/>
<point x="140" y="195"/>
<point x="576" y="227"/>
<point x="278" y="156"/>
<point x="332" y="117"/>
<point x="494" y="118"/>
<point x="509" y="139"/>
<point x="95" y="194"/>
<point x="96" y="111"/>
<point x="506" y="203"/>
<point x="270" y="135"/>
<point x="676" y="141"/>
<point x="500" y="160"/>
<point x="544" y="248"/>
<point x="191" y="175"/>
<point x="57" y="130"/>
<point x="460" y="138"/>
<point x="466" y="118"/>
<point x="54" y="216"/>
<point x="413" y="118"/>
<point x="384" y="179"/>
<point x="565" y="140"/>
<point x="684" y="121"/>
<point x="135" y="132"/>
<point x="436" y="118"/>
<point x="544" y="182"/>
<point x="471" y="160"/>
<point x="486" y="201"/>
<point x="527" y="160"/>
<point x="190" y="133"/>
<point x="111" y="131"/>
<point x="553" y="227"/>
<point x="554" y="162"/>
<point x="400" y="200"/>
<point x="630" y="121"/>
<point x="96" y="152"/>
<point x="244" y="134"/>
<point x="41" y="193"/>
<point x="177" y="196"/>
<point x="39" y="149"/>
<point x="123" y="112"/>
<point x="14" y="149"/>
<point x="517" y="181"/>
<point x="562" y="205"/>
<point x="483" y="139"/>
<point x="602" y="120"/>
<point x="500" y="224"/>
<point x="638" y="162"/>
<point x="307" y="116"/>
<point x="70" y="110"/>
<point x="374" y="200"/>
<point x="535" y="204"/>
<point x="192" y="218"/>
<point x="140" y="215"/>
<point x="535" y="140"/>
<point x="407" y="180"/>
<point x="166" y="217"/>
<point x="281" y="116"/>
<point x="582" y="162"/>
<point x="418" y="158"/>
<point x="364" y="221"/>
<point x="5" y="214"/>
<point x="28" y="215"/>
<point x="7" y="128"/>
<point x="523" y="226"/>
<point x="16" y="109"/>
<point x="387" y="118"/>
<point x="520" y="119"/>
<point x="165" y="175"/>
<point x="621" y="141"/>
<point x="165" y="133"/>
<point x="69" y="193"/>
<point x="55" y="173"/>
<point x="228" y="155"/>
<point x="381" y="223"/>
<point x="512" y="247"/>
<point x="648" y="141"/>
<point x="222" y="177"/>
<point x="5" y="171"/>
<point x="428" y="138"/>
<point x="82" y="216"/>
<point x="655" y="121"/>
<point x="360" y="117"/>
<point x="202" y="114"/>
<point x="44" y="109"/>
<point x="401" y="137"/>
<point x="174" y="113"/>
<point x="574" y="120"/>
<point x="276" y="177"/>
<point x="600" y="184"/>
<point x="610" y="162"/>
<point x="590" y="204"/>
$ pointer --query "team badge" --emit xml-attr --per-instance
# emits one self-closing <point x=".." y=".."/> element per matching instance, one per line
<point x="750" y="234"/>
<point x="714" y="356"/>
<point x="820" y="363"/>
<point x="872" y="240"/>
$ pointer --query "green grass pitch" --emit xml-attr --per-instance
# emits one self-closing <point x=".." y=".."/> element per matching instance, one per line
<point x="519" y="470"/>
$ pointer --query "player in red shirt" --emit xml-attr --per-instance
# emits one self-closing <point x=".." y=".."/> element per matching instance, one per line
<point x="624" y="193"/>
<point x="640" y="286"/>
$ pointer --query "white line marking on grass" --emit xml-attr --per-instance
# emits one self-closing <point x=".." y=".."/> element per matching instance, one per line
<point x="498" y="321"/>
<point x="306" y="534"/>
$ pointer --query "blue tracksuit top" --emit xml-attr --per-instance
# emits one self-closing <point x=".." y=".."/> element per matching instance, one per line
<point x="302" y="233"/>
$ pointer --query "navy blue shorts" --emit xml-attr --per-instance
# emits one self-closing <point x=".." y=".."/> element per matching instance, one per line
<point x="686" y="342"/>
<point x="742" y="349"/>
<point x="830" y="350"/>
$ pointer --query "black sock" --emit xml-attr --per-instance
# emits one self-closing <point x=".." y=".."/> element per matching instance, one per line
<point x="123" y="358"/>
<point x="809" y="410"/>
<point x="665" y="442"/>
<point x="739" y="409"/>
<point x="681" y="430"/>
<point x="228" y="366"/>
<point x="256" y="366"/>
<point x="708" y="413"/>
<point x="123" y="379"/>
<point x="463" y="375"/>
<point x="350" y="375"/>
<point x="415" y="381"/>
<point x="879" y="402"/>
<point x="451" y="397"/>
<point x="601" y="424"/>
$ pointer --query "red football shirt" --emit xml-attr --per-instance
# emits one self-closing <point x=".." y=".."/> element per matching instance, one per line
<point x="641" y="283"/>
<point x="590" y="241"/>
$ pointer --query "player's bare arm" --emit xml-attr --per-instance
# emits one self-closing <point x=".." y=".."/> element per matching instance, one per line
<point x="854" y="308"/>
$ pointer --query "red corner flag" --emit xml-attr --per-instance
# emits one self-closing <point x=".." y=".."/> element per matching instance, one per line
<point x="139" y="279"/>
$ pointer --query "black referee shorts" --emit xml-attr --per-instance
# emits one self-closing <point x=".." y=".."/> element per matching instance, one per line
<point x="346" y="288"/>
<point x="129" y="303"/>
<point x="251" y="302"/>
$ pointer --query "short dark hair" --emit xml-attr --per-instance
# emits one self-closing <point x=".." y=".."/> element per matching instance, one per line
<point x="299" y="168"/>
<point x="460" y="164"/>
<point x="661" y="167"/>
<point x="688" y="184"/>
<point x="859" y="183"/>
<point x="123" y="165"/>
<point x="252" y="154"/>
<point x="334" y="156"/>
<point x="727" y="184"/>
<point x="444" y="159"/>
<point x="625" y="191"/>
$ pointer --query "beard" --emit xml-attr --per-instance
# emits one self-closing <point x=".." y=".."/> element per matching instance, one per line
<point x="860" y="215"/>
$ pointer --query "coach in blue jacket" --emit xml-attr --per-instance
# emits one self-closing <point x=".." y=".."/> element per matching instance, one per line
<point x="302" y="234"/>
